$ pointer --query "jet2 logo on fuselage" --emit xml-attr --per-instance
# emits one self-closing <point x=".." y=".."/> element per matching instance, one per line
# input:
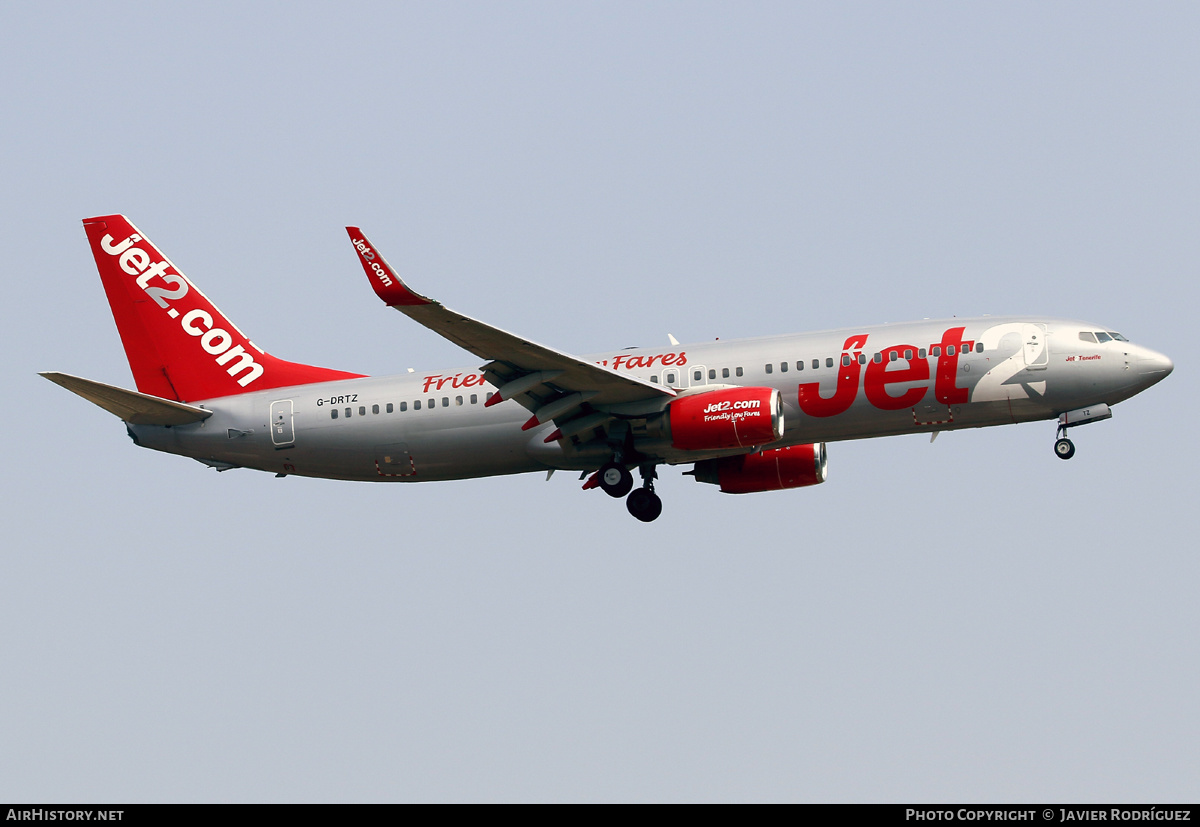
<point x="895" y="367"/>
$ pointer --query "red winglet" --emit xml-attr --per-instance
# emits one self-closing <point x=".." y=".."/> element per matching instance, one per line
<point x="554" y="437"/>
<point x="387" y="285"/>
<point x="532" y="423"/>
<point x="493" y="399"/>
<point x="592" y="482"/>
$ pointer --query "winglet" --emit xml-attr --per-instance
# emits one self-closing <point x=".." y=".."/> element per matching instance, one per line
<point x="387" y="285"/>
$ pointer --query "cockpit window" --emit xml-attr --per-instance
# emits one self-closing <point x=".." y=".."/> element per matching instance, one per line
<point x="1117" y="336"/>
<point x="1087" y="336"/>
<point x="1103" y="337"/>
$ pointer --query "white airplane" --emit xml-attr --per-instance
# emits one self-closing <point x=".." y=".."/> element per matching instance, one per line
<point x="751" y="415"/>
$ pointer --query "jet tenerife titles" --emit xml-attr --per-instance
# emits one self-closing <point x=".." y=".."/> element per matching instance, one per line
<point x="749" y="415"/>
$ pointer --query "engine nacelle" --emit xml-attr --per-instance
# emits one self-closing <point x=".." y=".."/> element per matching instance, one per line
<point x="773" y="470"/>
<point x="730" y="418"/>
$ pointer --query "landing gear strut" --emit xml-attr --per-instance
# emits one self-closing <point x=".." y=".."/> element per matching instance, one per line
<point x="643" y="503"/>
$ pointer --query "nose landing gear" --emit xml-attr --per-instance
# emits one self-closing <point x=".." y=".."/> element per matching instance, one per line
<point x="1064" y="448"/>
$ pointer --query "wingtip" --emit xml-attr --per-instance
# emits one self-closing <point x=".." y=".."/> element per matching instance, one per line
<point x="386" y="283"/>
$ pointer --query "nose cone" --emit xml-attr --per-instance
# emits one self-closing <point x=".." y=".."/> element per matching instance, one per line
<point x="1153" y="367"/>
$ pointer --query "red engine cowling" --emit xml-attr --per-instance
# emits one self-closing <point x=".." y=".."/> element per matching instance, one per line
<point x="774" y="470"/>
<point x="731" y="418"/>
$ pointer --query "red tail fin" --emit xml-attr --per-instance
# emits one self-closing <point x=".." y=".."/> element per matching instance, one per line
<point x="179" y="345"/>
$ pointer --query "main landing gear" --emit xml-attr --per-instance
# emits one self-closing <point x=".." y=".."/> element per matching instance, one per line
<point x="616" y="481"/>
<point x="643" y="503"/>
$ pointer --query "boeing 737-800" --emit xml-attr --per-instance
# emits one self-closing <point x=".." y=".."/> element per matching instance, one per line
<point x="750" y="415"/>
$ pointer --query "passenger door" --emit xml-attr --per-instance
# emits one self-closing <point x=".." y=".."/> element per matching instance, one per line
<point x="283" y="428"/>
<point x="1037" y="349"/>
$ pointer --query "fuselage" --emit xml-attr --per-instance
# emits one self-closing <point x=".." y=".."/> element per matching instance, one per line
<point x="852" y="383"/>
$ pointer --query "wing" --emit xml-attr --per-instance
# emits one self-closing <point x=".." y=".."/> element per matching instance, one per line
<point x="550" y="383"/>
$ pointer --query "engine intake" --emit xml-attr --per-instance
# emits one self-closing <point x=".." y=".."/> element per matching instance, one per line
<point x="773" y="470"/>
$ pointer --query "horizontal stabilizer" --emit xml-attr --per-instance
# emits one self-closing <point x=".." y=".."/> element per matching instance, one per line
<point x="131" y="406"/>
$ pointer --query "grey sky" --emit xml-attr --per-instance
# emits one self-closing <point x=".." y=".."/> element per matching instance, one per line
<point x="971" y="620"/>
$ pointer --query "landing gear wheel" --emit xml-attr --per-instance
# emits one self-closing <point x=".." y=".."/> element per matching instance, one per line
<point x="1064" y="448"/>
<point x="644" y="504"/>
<point x="615" y="479"/>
